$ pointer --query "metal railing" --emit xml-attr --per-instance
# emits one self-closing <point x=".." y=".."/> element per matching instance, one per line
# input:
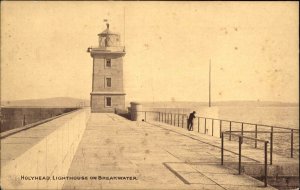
<point x="180" y="120"/>
<point x="165" y="117"/>
<point x="271" y="140"/>
<point x="241" y="137"/>
<point x="256" y="131"/>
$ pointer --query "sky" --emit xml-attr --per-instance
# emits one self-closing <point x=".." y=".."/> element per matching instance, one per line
<point x="252" y="46"/>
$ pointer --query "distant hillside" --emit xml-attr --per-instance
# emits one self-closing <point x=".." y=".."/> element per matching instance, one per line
<point x="223" y="103"/>
<point x="49" y="102"/>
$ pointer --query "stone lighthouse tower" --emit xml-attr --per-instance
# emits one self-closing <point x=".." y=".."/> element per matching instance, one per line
<point x="107" y="86"/>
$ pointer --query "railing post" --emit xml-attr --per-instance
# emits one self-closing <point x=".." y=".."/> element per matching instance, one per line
<point x="230" y="130"/>
<point x="178" y="120"/>
<point x="255" y="136"/>
<point x="212" y="127"/>
<point x="240" y="154"/>
<point x="171" y="119"/>
<point x="198" y="124"/>
<point x="222" y="148"/>
<point x="220" y="128"/>
<point x="266" y="163"/>
<point x="271" y="146"/>
<point x="145" y="115"/>
<point x="292" y="143"/>
<point x="204" y="125"/>
<point x="159" y="116"/>
<point x="182" y="121"/>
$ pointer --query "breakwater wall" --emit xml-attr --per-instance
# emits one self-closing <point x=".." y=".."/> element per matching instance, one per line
<point x="14" y="117"/>
<point x="48" y="154"/>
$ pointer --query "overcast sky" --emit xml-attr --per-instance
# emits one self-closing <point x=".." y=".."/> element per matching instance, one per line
<point x="253" y="47"/>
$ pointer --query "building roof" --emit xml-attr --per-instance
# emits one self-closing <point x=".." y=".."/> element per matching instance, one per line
<point x="107" y="31"/>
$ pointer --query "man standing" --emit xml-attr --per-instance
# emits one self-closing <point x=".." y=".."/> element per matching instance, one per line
<point x="191" y="121"/>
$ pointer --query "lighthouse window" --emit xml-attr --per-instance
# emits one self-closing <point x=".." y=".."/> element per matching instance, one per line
<point x="108" y="101"/>
<point x="108" y="82"/>
<point x="108" y="63"/>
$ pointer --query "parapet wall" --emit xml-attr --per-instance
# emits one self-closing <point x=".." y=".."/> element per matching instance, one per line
<point x="50" y="157"/>
<point x="14" y="117"/>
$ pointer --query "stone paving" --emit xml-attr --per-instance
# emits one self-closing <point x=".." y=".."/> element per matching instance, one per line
<point x="149" y="156"/>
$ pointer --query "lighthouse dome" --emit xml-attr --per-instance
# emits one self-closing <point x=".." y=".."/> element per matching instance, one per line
<point x="107" y="38"/>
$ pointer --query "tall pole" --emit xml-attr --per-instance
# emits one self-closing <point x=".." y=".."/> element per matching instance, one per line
<point x="209" y="93"/>
<point x="124" y="25"/>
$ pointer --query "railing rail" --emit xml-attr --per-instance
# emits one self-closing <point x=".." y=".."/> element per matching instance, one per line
<point x="241" y="137"/>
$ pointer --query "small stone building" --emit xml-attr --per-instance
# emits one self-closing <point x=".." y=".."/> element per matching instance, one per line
<point x="107" y="84"/>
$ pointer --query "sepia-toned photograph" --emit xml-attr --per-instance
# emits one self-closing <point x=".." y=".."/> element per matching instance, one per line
<point x="149" y="95"/>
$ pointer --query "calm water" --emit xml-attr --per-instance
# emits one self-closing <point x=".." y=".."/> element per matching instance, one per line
<point x="277" y="116"/>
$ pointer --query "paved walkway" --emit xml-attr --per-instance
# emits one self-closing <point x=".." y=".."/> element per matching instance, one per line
<point x="156" y="156"/>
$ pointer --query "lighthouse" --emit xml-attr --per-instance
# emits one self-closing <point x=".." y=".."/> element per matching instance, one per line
<point x="107" y="82"/>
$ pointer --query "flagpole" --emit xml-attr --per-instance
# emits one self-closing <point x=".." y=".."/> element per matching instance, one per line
<point x="124" y="26"/>
<point x="209" y="93"/>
